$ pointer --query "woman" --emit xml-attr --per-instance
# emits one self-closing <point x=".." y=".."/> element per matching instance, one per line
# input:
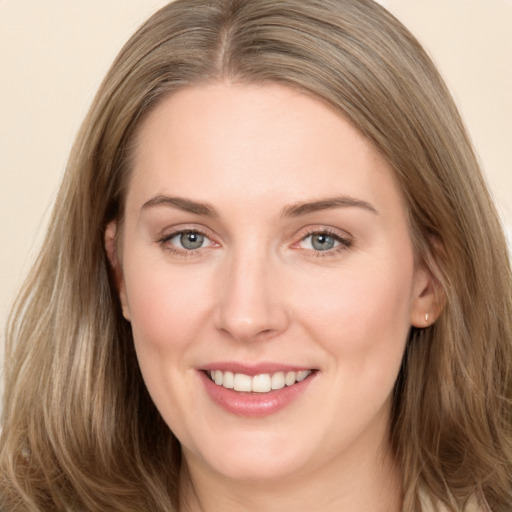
<point x="273" y="278"/>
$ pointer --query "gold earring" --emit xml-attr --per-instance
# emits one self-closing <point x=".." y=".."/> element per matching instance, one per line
<point x="126" y="314"/>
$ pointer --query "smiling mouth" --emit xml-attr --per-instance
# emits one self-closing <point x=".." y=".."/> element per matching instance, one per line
<point x="262" y="383"/>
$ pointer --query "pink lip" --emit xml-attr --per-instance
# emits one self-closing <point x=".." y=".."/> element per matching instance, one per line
<point x="254" y="405"/>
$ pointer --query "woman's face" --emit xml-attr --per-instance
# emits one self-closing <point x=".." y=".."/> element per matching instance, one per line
<point x="264" y="242"/>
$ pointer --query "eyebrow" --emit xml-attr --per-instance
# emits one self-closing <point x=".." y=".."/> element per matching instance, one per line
<point x="298" y="209"/>
<point x="181" y="203"/>
<point x="294" y="210"/>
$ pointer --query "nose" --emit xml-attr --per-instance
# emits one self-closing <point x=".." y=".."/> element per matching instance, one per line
<point x="250" y="305"/>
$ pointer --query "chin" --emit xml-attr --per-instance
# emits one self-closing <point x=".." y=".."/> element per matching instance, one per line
<point x="258" y="457"/>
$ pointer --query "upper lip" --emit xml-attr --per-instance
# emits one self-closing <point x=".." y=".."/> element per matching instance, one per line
<point x="253" y="369"/>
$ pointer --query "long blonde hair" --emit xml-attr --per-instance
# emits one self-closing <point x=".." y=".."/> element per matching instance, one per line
<point x="79" y="429"/>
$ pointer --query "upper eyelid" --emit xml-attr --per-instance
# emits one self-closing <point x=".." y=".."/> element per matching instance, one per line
<point x="169" y="233"/>
<point x="170" y="236"/>
<point x="317" y="230"/>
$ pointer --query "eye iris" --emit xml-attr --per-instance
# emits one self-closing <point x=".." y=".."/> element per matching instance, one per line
<point x="322" y="242"/>
<point x="191" y="240"/>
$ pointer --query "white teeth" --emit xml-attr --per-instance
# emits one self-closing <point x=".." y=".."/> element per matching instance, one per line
<point x="278" y="380"/>
<point x="302" y="375"/>
<point x="262" y="383"/>
<point x="242" y="382"/>
<point x="228" y="381"/>
<point x="290" y="378"/>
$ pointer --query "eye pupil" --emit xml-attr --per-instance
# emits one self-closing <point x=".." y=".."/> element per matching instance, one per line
<point x="322" y="242"/>
<point x="191" y="240"/>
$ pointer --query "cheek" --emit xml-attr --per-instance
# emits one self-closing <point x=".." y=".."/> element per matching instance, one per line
<point x="362" y="320"/>
<point x="167" y="308"/>
<point x="168" y="314"/>
<point x="361" y="314"/>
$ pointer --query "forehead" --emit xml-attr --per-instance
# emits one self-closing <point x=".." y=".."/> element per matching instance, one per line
<point x="258" y="141"/>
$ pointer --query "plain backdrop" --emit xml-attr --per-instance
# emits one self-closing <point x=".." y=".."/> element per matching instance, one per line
<point x="54" y="53"/>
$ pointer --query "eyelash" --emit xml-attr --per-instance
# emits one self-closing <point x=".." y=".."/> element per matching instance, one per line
<point x="164" y="242"/>
<point x="344" y="242"/>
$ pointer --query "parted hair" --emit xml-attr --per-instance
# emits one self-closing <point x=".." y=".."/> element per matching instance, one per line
<point x="79" y="430"/>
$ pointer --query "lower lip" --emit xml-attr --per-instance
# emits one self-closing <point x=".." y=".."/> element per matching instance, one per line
<point x="254" y="405"/>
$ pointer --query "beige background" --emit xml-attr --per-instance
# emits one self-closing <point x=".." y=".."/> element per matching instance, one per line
<point x="53" y="54"/>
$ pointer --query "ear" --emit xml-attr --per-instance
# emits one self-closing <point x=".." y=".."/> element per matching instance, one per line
<point x="428" y="298"/>
<point x="111" y="249"/>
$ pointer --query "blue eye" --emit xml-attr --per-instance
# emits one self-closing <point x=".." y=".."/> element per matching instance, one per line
<point x="188" y="240"/>
<point x="324" y="241"/>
